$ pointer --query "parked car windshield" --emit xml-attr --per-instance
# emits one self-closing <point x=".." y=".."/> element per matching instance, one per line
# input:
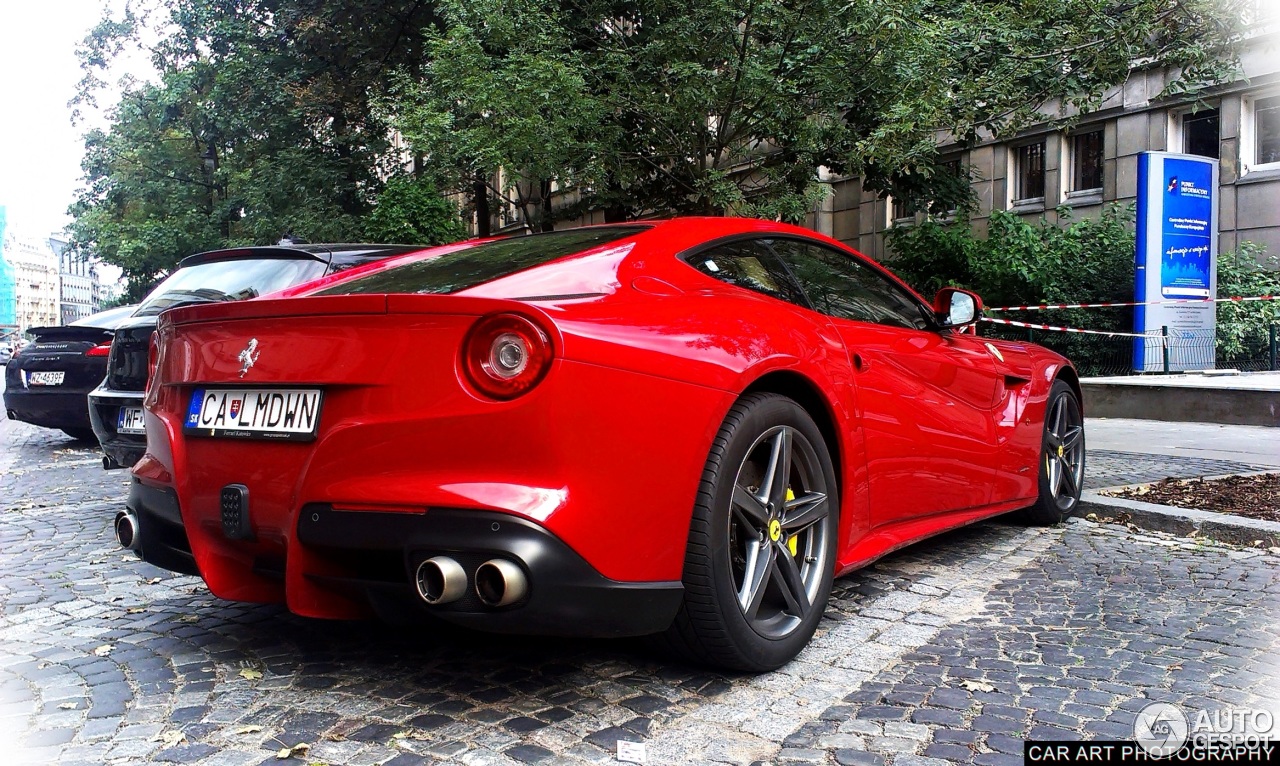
<point x="485" y="262"/>
<point x="230" y="280"/>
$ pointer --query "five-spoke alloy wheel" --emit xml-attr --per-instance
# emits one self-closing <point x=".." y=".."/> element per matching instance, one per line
<point x="1062" y="458"/>
<point x="761" y="551"/>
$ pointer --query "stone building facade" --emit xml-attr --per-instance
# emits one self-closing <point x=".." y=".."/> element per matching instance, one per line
<point x="1094" y="162"/>
<point x="36" y="283"/>
<point x="78" y="277"/>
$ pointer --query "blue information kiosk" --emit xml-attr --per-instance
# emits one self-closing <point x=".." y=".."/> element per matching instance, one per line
<point x="1176" y="260"/>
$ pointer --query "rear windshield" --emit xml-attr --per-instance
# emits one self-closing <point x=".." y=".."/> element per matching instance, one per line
<point x="237" y="279"/>
<point x="472" y="266"/>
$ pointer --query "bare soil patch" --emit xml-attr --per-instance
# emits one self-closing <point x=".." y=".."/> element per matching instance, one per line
<point x="1257" y="497"/>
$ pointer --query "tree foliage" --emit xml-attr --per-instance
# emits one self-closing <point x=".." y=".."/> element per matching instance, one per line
<point x="733" y="105"/>
<point x="260" y="124"/>
<point x="410" y="210"/>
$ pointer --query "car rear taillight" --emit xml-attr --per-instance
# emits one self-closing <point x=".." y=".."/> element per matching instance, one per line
<point x="153" y="358"/>
<point x="102" y="349"/>
<point x="505" y="355"/>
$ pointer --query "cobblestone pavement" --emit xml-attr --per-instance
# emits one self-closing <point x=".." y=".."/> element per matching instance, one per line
<point x="953" y="650"/>
<point x="1111" y="468"/>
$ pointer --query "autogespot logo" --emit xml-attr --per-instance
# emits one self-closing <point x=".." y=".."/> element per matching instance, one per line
<point x="1160" y="729"/>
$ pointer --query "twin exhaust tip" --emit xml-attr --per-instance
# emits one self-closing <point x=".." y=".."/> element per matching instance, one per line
<point x="126" y="527"/>
<point x="441" y="580"/>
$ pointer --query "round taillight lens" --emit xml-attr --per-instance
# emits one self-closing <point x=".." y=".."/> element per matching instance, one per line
<point x="505" y="355"/>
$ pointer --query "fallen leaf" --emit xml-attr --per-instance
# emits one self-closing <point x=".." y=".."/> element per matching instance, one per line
<point x="104" y="650"/>
<point x="188" y="618"/>
<point x="136" y="609"/>
<point x="400" y="735"/>
<point x="289" y="752"/>
<point x="251" y="674"/>
<point x="252" y="729"/>
<point x="170" y="738"/>
<point x="153" y="581"/>
<point x="977" y="686"/>
<point x="68" y="706"/>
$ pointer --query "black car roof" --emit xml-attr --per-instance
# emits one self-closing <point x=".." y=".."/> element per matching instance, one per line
<point x="343" y="254"/>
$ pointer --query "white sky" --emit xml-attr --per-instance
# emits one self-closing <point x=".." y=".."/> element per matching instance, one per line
<point x="40" y="151"/>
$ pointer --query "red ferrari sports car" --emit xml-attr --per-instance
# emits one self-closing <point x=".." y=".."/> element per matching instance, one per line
<point x="684" y="428"/>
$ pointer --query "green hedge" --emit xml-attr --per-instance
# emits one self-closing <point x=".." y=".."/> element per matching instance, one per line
<point x="1084" y="261"/>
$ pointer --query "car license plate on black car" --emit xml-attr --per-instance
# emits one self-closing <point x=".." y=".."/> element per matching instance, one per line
<point x="130" y="421"/>
<point x="45" y="378"/>
<point x="292" y="413"/>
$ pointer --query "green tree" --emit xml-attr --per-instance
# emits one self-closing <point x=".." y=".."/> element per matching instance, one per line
<point x="261" y="123"/>
<point x="733" y="105"/>
<point x="411" y="210"/>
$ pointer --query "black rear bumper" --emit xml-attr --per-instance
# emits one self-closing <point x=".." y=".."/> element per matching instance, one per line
<point x="162" y="538"/>
<point x="374" y="556"/>
<point x="50" y="409"/>
<point x="567" y="596"/>
<point x="104" y="410"/>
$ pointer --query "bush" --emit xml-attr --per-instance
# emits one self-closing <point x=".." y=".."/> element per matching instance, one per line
<point x="1087" y="261"/>
<point x="1243" y="327"/>
<point x="1021" y="263"/>
<point x="410" y="211"/>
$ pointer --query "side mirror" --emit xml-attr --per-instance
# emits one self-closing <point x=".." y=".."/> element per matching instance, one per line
<point x="955" y="307"/>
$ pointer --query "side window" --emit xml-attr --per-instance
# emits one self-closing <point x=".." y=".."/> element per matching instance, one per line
<point x="751" y="265"/>
<point x="840" y="286"/>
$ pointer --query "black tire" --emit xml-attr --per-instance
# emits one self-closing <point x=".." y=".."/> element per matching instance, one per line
<point x="794" y="541"/>
<point x="80" y="434"/>
<point x="1062" y="454"/>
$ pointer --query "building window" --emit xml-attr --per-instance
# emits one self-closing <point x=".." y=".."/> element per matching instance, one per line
<point x="953" y="168"/>
<point x="1086" y="161"/>
<point x="900" y="211"/>
<point x="1200" y="133"/>
<point x="1266" y="131"/>
<point x="1028" y="172"/>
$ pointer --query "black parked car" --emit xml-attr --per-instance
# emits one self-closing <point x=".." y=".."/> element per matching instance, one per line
<point x="47" y="381"/>
<point x="115" y="407"/>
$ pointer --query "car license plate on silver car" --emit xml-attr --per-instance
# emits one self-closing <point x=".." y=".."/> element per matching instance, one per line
<point x="130" y="421"/>
<point x="45" y="378"/>
<point x="280" y="413"/>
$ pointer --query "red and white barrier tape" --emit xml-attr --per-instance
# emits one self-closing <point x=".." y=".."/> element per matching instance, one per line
<point x="1046" y="306"/>
<point x="1156" y="336"/>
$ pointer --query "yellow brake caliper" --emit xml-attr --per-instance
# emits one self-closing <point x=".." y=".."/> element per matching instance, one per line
<point x="791" y="541"/>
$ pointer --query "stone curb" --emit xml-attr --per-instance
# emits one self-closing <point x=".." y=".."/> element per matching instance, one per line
<point x="1184" y="522"/>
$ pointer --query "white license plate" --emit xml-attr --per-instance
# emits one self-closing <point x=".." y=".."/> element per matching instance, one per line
<point x="130" y="421"/>
<point x="278" y="413"/>
<point x="45" y="378"/>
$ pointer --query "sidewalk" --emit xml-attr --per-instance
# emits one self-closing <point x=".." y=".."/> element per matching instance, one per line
<point x="1254" y="445"/>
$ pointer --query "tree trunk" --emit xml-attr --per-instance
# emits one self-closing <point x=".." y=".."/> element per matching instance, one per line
<point x="480" y="196"/>
<point x="547" y="222"/>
